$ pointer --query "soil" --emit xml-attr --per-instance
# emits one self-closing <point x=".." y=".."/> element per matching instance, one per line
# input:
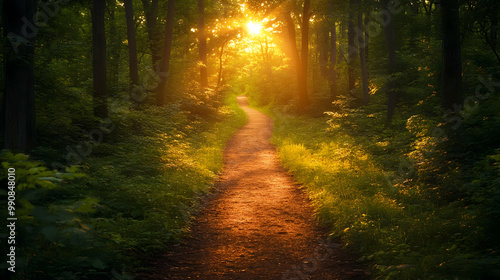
<point x="259" y="224"/>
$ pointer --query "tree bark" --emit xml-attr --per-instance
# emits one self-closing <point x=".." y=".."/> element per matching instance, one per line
<point x="351" y="47"/>
<point x="452" y="59"/>
<point x="367" y="36"/>
<point x="132" y="42"/>
<point x="151" y="13"/>
<point x="167" y="49"/>
<point x="362" y="59"/>
<point x="333" y="62"/>
<point x="202" y="44"/>
<point x="114" y="46"/>
<point x="323" y="48"/>
<point x="294" y="54"/>
<point x="99" y="59"/>
<point x="219" y="79"/>
<point x="303" y="95"/>
<point x="19" y="96"/>
<point x="391" y="51"/>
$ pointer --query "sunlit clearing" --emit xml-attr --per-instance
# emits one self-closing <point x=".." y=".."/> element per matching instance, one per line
<point x="254" y="28"/>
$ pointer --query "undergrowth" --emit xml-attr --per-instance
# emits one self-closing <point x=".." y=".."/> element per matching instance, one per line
<point x="130" y="197"/>
<point x="372" y="193"/>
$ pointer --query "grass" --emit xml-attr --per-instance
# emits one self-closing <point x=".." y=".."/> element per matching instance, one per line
<point x="150" y="184"/>
<point x="134" y="195"/>
<point x="400" y="233"/>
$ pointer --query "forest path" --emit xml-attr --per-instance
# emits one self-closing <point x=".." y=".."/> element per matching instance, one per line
<point x="259" y="224"/>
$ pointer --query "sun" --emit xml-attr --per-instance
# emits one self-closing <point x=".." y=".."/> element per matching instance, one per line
<point x="254" y="27"/>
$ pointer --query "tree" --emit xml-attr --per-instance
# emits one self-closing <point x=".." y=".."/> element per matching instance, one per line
<point x="333" y="62"/>
<point x="299" y="60"/>
<point x="114" y="44"/>
<point x="202" y="44"/>
<point x="225" y="39"/>
<point x="323" y="44"/>
<point x="151" y="15"/>
<point x="391" y="52"/>
<point x="167" y="48"/>
<point x="452" y="59"/>
<point x="19" y="97"/>
<point x="303" y="95"/>
<point x="99" y="59"/>
<point x="362" y="59"/>
<point x="352" y="50"/>
<point x="132" y="42"/>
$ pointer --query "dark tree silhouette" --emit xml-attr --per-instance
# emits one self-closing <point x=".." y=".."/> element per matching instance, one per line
<point x="132" y="42"/>
<point x="333" y="62"/>
<point x="391" y="51"/>
<point x="452" y="59"/>
<point x="19" y="96"/>
<point x="362" y="59"/>
<point x="151" y="14"/>
<point x="352" y="50"/>
<point x="99" y="59"/>
<point x="167" y="49"/>
<point x="202" y="44"/>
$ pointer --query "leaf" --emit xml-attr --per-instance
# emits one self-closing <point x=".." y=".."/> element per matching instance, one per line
<point x="85" y="205"/>
<point x="50" y="179"/>
<point x="49" y="232"/>
<point x="97" y="263"/>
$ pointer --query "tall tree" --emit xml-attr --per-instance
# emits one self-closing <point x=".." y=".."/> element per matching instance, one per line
<point x="151" y="14"/>
<point x="323" y="44"/>
<point x="202" y="44"/>
<point x="304" y="51"/>
<point x="391" y="51"/>
<point x="299" y="59"/>
<point x="452" y="59"/>
<point x="352" y="49"/>
<point x="132" y="42"/>
<point x="114" y="45"/>
<point x="19" y="97"/>
<point x="333" y="62"/>
<point x="167" y="49"/>
<point x="99" y="59"/>
<point x="362" y="59"/>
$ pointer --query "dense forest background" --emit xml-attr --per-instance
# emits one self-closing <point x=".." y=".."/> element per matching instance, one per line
<point x="115" y="114"/>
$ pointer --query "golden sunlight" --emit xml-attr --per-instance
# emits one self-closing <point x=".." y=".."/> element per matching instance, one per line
<point x="254" y="27"/>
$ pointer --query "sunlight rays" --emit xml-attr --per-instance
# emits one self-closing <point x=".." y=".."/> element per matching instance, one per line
<point x="255" y="28"/>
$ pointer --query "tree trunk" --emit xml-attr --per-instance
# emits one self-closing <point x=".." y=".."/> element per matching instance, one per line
<point x="113" y="47"/>
<point x="303" y="95"/>
<point x="219" y="79"/>
<point x="362" y="59"/>
<point x="333" y="63"/>
<point x="99" y="59"/>
<point x="351" y="47"/>
<point x="367" y="36"/>
<point x="202" y="44"/>
<point x="151" y="13"/>
<point x="452" y="59"/>
<point x="294" y="54"/>
<point x="391" y="51"/>
<point x="167" y="49"/>
<point x="132" y="42"/>
<point x="323" y="48"/>
<point x="19" y="96"/>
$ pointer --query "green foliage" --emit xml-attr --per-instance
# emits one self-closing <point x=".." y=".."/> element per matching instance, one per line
<point x="135" y="195"/>
<point x="380" y="197"/>
<point x="52" y="235"/>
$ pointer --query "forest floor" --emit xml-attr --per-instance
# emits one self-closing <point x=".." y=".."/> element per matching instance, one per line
<point x="258" y="223"/>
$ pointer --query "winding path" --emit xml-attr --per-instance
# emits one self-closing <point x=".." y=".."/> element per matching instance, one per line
<point x="259" y="224"/>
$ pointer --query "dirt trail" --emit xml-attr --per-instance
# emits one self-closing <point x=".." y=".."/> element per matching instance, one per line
<point x="260" y="223"/>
